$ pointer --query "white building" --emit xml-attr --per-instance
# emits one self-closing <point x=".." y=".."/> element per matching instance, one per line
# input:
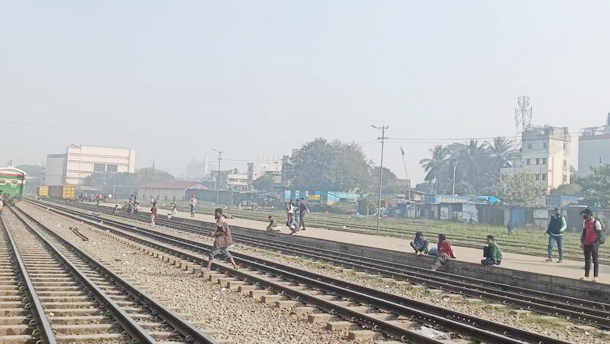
<point x="593" y="148"/>
<point x="55" y="171"/>
<point x="545" y="154"/>
<point x="258" y="169"/>
<point x="81" y="161"/>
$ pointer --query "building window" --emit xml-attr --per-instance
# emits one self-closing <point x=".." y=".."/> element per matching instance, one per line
<point x="527" y="161"/>
<point x="537" y="161"/>
<point x="529" y="146"/>
<point x="565" y="178"/>
<point x="565" y="163"/>
<point x="545" y="145"/>
<point x="536" y="176"/>
<point x="544" y="176"/>
<point x="544" y="161"/>
<point x="565" y="146"/>
<point x="112" y="168"/>
<point x="99" y="167"/>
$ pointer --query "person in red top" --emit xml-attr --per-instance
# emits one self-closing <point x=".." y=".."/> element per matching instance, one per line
<point x="591" y="228"/>
<point x="445" y="252"/>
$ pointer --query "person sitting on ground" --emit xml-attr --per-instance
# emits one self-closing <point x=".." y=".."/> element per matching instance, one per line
<point x="445" y="252"/>
<point x="116" y="207"/>
<point x="491" y="252"/>
<point x="273" y="226"/>
<point x="420" y="244"/>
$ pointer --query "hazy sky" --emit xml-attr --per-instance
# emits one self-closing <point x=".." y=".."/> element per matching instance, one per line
<point x="174" y="79"/>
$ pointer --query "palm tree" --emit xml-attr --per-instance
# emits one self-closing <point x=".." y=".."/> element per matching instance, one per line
<point x="473" y="161"/>
<point x="500" y="150"/>
<point x="436" y="165"/>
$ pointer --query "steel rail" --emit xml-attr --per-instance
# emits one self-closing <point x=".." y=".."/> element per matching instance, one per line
<point x="190" y="332"/>
<point x="543" y="302"/>
<point x="40" y="318"/>
<point x="479" y="329"/>
<point x="127" y="322"/>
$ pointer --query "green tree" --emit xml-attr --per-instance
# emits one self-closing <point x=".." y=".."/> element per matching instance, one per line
<point x="389" y="180"/>
<point x="518" y="189"/>
<point x="568" y="190"/>
<point x="330" y="166"/>
<point x="367" y="205"/>
<point x="472" y="159"/>
<point x="148" y="174"/>
<point x="31" y="170"/>
<point x="436" y="166"/>
<point x="596" y="187"/>
<point x="500" y="150"/>
<point x="264" y="183"/>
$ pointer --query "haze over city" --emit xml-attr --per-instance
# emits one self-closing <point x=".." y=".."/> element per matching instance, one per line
<point x="257" y="79"/>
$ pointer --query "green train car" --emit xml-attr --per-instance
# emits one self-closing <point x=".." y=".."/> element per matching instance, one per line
<point x="12" y="182"/>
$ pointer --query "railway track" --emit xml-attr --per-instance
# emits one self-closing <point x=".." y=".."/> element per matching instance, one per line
<point x="82" y="301"/>
<point x="591" y="313"/>
<point x="389" y="316"/>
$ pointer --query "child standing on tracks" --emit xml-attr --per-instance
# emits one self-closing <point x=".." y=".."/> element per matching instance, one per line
<point x="222" y="240"/>
<point x="153" y="214"/>
<point x="420" y="244"/>
<point x="192" y="204"/>
<point x="491" y="252"/>
<point x="445" y="252"/>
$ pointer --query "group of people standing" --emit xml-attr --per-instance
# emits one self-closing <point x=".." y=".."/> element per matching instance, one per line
<point x="295" y="212"/>
<point x="593" y="235"/>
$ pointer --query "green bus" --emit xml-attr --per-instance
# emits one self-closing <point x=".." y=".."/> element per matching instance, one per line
<point x="12" y="182"/>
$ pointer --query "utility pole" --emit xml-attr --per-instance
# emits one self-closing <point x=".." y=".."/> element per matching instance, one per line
<point x="382" y="138"/>
<point x="218" y="175"/>
<point x="406" y="174"/>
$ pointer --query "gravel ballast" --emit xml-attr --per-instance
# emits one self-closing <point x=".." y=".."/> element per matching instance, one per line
<point x="236" y="317"/>
<point x="548" y="326"/>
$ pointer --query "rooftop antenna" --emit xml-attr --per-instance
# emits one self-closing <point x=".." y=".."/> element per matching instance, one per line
<point x="523" y="114"/>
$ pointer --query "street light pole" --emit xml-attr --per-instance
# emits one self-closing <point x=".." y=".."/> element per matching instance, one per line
<point x="218" y="175"/>
<point x="382" y="138"/>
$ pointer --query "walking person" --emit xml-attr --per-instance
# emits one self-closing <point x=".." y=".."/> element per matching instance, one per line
<point x="510" y="227"/>
<point x="303" y="209"/>
<point x="491" y="252"/>
<point x="444" y="251"/>
<point x="591" y="233"/>
<point x="1" y="202"/>
<point x="153" y="214"/>
<point x="557" y="225"/>
<point x="192" y="204"/>
<point x="222" y="240"/>
<point x="420" y="244"/>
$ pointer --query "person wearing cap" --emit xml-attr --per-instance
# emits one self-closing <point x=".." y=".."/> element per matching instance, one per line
<point x="222" y="240"/>
<point x="557" y="225"/>
<point x="589" y="240"/>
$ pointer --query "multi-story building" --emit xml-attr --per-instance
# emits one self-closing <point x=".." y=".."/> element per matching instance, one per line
<point x="55" y="171"/>
<point x="544" y="154"/>
<point x="231" y="180"/>
<point x="81" y="161"/>
<point x="593" y="148"/>
<point x="259" y="169"/>
<point x="196" y="170"/>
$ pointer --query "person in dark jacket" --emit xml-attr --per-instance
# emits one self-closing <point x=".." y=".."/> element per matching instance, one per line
<point x="491" y="252"/>
<point x="420" y="244"/>
<point x="222" y="240"/>
<point x="557" y="225"/>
